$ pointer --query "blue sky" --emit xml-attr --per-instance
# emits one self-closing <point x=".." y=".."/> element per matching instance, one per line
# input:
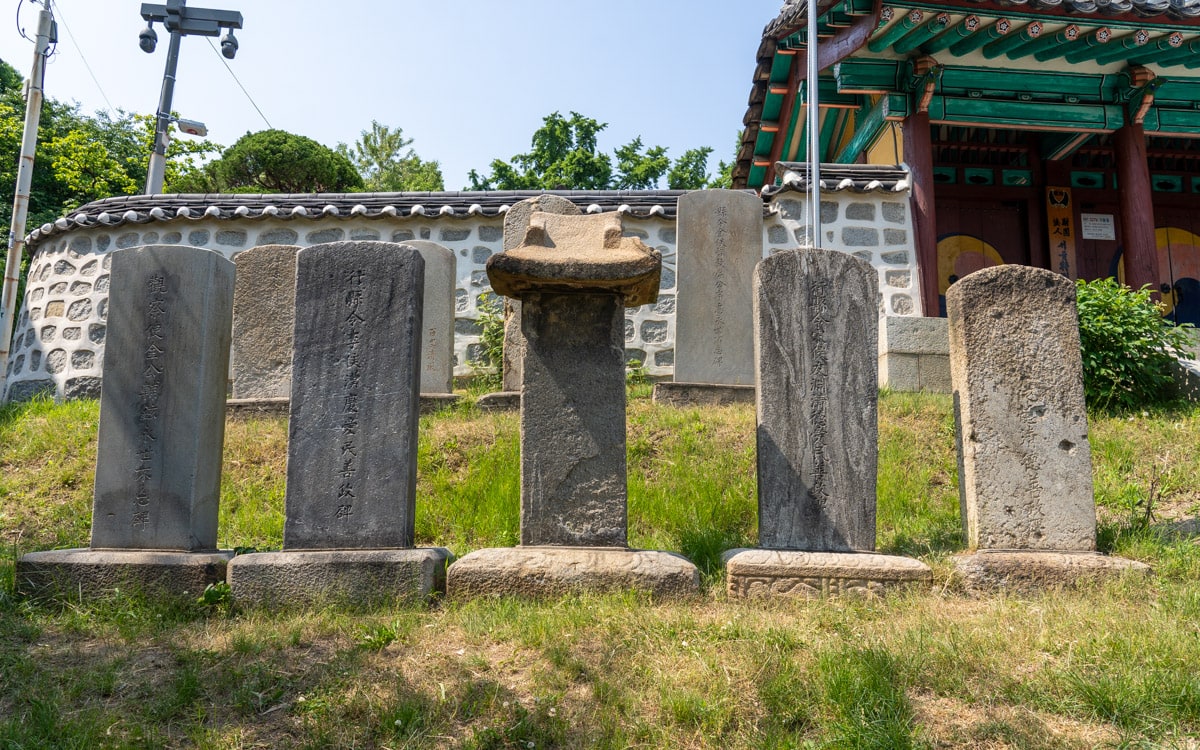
<point x="468" y="80"/>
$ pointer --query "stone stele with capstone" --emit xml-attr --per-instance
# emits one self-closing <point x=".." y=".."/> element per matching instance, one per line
<point x="352" y="437"/>
<point x="162" y="429"/>
<point x="516" y="222"/>
<point x="573" y="275"/>
<point x="719" y="244"/>
<point x="816" y="402"/>
<point x="1025" y="465"/>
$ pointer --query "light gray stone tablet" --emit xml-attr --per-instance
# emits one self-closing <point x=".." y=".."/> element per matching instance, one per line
<point x="437" y="317"/>
<point x="264" y="305"/>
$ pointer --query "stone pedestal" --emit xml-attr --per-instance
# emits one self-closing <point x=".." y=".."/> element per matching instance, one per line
<point x="1025" y="467"/>
<point x="554" y="571"/>
<point x="817" y="433"/>
<point x="914" y="354"/>
<point x="573" y="275"/>
<point x="356" y="578"/>
<point x="83" y="574"/>
<point x="352" y="434"/>
<point x="813" y="575"/>
<point x="702" y="394"/>
<point x="1023" y="570"/>
<point x="162" y="428"/>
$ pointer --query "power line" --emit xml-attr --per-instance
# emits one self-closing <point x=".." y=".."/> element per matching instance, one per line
<point x="83" y="57"/>
<point x="239" y="83"/>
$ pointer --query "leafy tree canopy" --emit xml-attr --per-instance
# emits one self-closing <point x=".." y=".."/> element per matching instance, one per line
<point x="564" y="155"/>
<point x="276" y="161"/>
<point x="383" y="157"/>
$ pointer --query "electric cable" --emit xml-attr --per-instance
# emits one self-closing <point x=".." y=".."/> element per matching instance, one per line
<point x="239" y="83"/>
<point x="83" y="57"/>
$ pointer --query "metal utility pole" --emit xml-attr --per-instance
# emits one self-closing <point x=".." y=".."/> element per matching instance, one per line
<point x="814" y="125"/>
<point x="180" y="21"/>
<point x="46" y="35"/>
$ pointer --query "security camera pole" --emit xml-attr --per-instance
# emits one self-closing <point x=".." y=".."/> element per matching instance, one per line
<point x="180" y="21"/>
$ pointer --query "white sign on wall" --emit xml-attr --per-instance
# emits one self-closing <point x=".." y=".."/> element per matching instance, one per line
<point x="1098" y="227"/>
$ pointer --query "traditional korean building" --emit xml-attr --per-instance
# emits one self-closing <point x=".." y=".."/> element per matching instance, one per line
<point x="1063" y="134"/>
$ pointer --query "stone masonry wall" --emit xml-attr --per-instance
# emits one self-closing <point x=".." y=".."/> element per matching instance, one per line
<point x="59" y="342"/>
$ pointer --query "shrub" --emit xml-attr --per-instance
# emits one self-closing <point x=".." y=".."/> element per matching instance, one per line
<point x="1128" y="349"/>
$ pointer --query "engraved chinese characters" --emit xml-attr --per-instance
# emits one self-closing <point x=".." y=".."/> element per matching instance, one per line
<point x="816" y="395"/>
<point x="720" y="241"/>
<point x="351" y="473"/>
<point x="162" y="425"/>
<point x="352" y="450"/>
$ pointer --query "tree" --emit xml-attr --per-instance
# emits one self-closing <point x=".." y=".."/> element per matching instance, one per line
<point x="380" y="157"/>
<point x="277" y="161"/>
<point x="564" y="155"/>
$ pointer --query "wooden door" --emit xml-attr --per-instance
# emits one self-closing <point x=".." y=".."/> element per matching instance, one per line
<point x="976" y="234"/>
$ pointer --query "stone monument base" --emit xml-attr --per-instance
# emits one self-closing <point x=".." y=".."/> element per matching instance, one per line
<point x="360" y="578"/>
<point x="1025" y="570"/>
<point x="435" y="402"/>
<point x="702" y="394"/>
<point x="799" y="574"/>
<point x="96" y="573"/>
<point x="552" y="571"/>
<point x="499" y="401"/>
<point x="256" y="406"/>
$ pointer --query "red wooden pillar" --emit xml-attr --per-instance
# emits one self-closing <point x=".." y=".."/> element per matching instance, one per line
<point x="1137" y="208"/>
<point x="918" y="154"/>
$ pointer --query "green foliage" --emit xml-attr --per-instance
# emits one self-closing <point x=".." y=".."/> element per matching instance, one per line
<point x="488" y="367"/>
<point x="380" y="157"/>
<point x="1128" y="349"/>
<point x="277" y="161"/>
<point x="564" y="155"/>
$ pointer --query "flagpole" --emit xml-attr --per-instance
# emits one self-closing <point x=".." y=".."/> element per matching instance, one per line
<point x="813" y="127"/>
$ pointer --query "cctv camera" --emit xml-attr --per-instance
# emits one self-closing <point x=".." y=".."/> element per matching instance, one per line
<point x="148" y="39"/>
<point x="229" y="45"/>
<point x="192" y="127"/>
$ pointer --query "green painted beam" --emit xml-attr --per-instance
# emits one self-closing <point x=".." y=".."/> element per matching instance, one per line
<point x="922" y="34"/>
<point x="1012" y="40"/>
<point x="995" y="32"/>
<point x="1182" y="54"/>
<point x="1124" y="52"/>
<point x="1025" y="115"/>
<point x="1126" y="43"/>
<point x="866" y="75"/>
<point x="900" y="28"/>
<point x="1058" y="146"/>
<point x="789" y="126"/>
<point x="1184" y="92"/>
<point x="1173" y="121"/>
<point x="1045" y="42"/>
<point x="869" y="124"/>
<point x="829" y="130"/>
<point x="1158" y="49"/>
<point x="1084" y="45"/>
<point x="991" y="82"/>
<point x="954" y="34"/>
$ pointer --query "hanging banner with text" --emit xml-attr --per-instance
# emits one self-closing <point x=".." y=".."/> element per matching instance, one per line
<point x="1060" y="218"/>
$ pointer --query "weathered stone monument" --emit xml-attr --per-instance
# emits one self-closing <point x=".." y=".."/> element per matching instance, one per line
<point x="516" y="222"/>
<point x="720" y="242"/>
<point x="573" y="276"/>
<point x="437" y="323"/>
<point x="352" y="436"/>
<point x="817" y="393"/>
<point x="1025" y="466"/>
<point x="264" y="306"/>
<point x="162" y="427"/>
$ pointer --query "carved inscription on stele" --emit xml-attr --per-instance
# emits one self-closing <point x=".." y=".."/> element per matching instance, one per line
<point x="352" y="323"/>
<point x="720" y="284"/>
<point x="148" y="397"/>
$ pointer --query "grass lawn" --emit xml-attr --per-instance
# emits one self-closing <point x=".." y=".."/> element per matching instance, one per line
<point x="1113" y="665"/>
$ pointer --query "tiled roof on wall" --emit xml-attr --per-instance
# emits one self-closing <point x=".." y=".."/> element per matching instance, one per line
<point x="142" y="209"/>
<point x="793" y="11"/>
<point x="860" y="178"/>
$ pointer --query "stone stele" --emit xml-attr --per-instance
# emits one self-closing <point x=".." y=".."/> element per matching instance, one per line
<point x="264" y="306"/>
<point x="1024" y="461"/>
<point x="437" y="318"/>
<point x="720" y="242"/>
<point x="572" y="275"/>
<point x="162" y="427"/>
<point x="816" y="323"/>
<point x="352" y="435"/>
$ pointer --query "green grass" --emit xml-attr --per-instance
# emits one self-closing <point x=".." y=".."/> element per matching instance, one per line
<point x="1111" y="665"/>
